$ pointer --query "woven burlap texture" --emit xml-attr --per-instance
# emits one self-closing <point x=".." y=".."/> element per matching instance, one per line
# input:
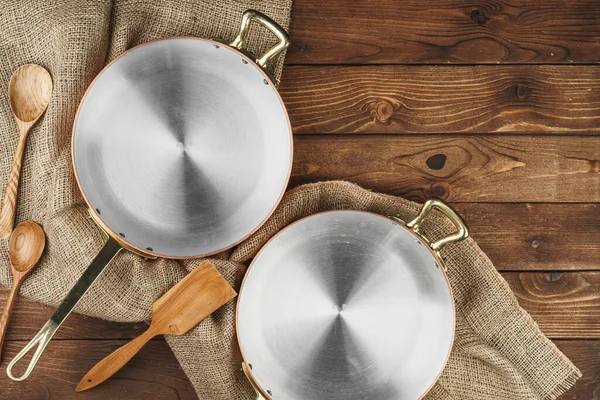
<point x="499" y="352"/>
<point x="73" y="40"/>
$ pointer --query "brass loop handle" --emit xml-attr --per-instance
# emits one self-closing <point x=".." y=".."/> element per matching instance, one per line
<point x="41" y="340"/>
<point x="43" y="337"/>
<point x="462" y="232"/>
<point x="255" y="16"/>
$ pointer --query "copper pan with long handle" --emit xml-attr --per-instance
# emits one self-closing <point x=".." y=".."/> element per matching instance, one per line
<point x="182" y="148"/>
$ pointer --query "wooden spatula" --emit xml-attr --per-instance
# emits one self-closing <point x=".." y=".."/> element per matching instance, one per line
<point x="176" y="312"/>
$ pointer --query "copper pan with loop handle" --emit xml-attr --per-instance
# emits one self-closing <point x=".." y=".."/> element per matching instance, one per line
<point x="348" y="305"/>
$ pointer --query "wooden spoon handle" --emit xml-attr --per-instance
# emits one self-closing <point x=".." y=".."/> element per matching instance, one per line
<point x="9" y="204"/>
<point x="114" y="361"/>
<point x="14" y="291"/>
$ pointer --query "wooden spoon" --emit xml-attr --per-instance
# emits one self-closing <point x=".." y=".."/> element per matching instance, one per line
<point x="184" y="306"/>
<point x="29" y="93"/>
<point x="25" y="248"/>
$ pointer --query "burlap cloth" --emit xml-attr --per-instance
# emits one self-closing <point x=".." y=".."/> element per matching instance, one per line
<point x="499" y="352"/>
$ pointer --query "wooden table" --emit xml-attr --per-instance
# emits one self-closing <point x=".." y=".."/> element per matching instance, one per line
<point x="492" y="105"/>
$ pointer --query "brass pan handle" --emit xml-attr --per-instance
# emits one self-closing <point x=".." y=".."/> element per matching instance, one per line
<point x="255" y="16"/>
<point x="246" y="370"/>
<point x="43" y="337"/>
<point x="462" y="232"/>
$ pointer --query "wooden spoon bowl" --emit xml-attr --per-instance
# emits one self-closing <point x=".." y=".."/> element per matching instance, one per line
<point x="25" y="248"/>
<point x="29" y="93"/>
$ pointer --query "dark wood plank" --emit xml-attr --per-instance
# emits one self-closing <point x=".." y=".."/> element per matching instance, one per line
<point x="445" y="31"/>
<point x="434" y="99"/>
<point x="536" y="236"/>
<point x="28" y="318"/>
<point x="585" y="354"/>
<point x="457" y="168"/>
<point x="153" y="373"/>
<point x="564" y="304"/>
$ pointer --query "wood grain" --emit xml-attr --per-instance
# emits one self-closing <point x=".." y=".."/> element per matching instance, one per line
<point x="153" y="374"/>
<point x="442" y="99"/>
<point x="564" y="304"/>
<point x="26" y="245"/>
<point x="29" y="91"/>
<point x="7" y="311"/>
<point x="530" y="236"/>
<point x="29" y="316"/>
<point x="508" y="188"/>
<point x="8" y="208"/>
<point x="585" y="354"/>
<point x="475" y="169"/>
<point x="184" y="306"/>
<point x="445" y="31"/>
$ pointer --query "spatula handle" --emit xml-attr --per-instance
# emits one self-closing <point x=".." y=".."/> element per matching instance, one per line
<point x="114" y="362"/>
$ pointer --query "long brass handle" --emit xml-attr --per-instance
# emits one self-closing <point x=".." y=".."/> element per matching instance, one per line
<point x="462" y="231"/>
<point x="43" y="337"/>
<point x="255" y="16"/>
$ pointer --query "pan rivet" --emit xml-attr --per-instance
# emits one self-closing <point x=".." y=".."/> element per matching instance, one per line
<point x="244" y="61"/>
<point x="250" y="366"/>
<point x="269" y="392"/>
<point x="149" y="248"/>
<point x="98" y="211"/>
<point x="417" y="241"/>
<point x="436" y="265"/>
<point x="121" y="234"/>
<point x="265" y="82"/>
<point x="217" y="46"/>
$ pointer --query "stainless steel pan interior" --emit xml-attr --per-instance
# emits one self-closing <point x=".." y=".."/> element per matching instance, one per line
<point x="182" y="147"/>
<point x="346" y="305"/>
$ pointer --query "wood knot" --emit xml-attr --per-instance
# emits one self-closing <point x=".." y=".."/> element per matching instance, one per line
<point x="594" y="166"/>
<point x="436" y="162"/>
<point x="381" y="111"/>
<point x="298" y="47"/>
<point x="522" y="92"/>
<point x="384" y="111"/>
<point x="554" y="276"/>
<point x="440" y="189"/>
<point x="478" y="16"/>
